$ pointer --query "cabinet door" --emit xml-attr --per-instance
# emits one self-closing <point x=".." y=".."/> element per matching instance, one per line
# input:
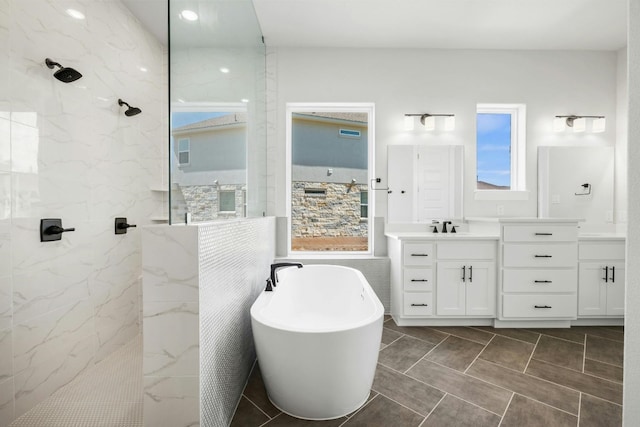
<point x="401" y="174"/>
<point x="592" y="290"/>
<point x="615" y="290"/>
<point x="450" y="289"/>
<point x="481" y="289"/>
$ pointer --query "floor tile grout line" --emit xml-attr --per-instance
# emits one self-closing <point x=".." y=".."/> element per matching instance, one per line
<point x="553" y="336"/>
<point x="579" y="408"/>
<point x="434" y="408"/>
<point x="256" y="405"/>
<point x="421" y="339"/>
<point x="466" y="338"/>
<point x="513" y="393"/>
<point x="506" y="336"/>
<point x="535" y="346"/>
<point x="478" y="355"/>
<point x="572" y="370"/>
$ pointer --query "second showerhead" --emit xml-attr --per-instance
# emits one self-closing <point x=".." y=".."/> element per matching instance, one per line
<point x="64" y="74"/>
<point x="131" y="111"/>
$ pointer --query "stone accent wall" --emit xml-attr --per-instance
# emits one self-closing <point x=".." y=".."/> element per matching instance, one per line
<point x="334" y="214"/>
<point x="202" y="201"/>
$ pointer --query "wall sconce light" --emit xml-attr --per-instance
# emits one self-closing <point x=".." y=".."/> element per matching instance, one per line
<point x="429" y="121"/>
<point x="579" y="123"/>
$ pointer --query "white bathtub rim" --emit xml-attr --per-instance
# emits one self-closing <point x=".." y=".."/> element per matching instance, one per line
<point x="263" y="299"/>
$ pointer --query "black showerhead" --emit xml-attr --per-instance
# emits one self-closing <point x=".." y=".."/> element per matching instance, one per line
<point x="64" y="74"/>
<point x="131" y="111"/>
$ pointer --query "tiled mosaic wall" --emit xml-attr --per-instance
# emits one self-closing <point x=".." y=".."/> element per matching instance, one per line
<point x="199" y="284"/>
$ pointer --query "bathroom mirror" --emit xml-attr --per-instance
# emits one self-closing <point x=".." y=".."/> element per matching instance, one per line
<point x="425" y="183"/>
<point x="217" y="141"/>
<point x="576" y="182"/>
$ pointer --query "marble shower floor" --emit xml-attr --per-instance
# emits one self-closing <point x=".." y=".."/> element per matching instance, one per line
<point x="478" y="377"/>
<point x="107" y="395"/>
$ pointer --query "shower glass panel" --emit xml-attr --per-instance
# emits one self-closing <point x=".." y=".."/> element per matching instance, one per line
<point x="217" y="153"/>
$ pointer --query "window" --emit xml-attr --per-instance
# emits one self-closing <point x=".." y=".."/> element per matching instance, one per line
<point x="327" y="198"/>
<point x="364" y="204"/>
<point x="500" y="147"/>
<point x="184" y="151"/>
<point x="227" y="201"/>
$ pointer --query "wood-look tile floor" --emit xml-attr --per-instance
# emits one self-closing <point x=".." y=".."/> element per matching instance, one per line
<point x="478" y="376"/>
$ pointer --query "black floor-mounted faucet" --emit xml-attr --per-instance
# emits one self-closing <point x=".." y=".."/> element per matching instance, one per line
<point x="273" y="278"/>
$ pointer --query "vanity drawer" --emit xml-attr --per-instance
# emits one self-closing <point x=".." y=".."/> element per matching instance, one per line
<point x="540" y="233"/>
<point x="467" y="250"/>
<point x="418" y="279"/>
<point x="551" y="255"/>
<point x="601" y="251"/>
<point x="418" y="303"/>
<point x="540" y="281"/>
<point x="542" y="306"/>
<point x="418" y="253"/>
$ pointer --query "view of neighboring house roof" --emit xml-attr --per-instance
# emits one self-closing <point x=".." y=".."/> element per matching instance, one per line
<point x="227" y="119"/>
<point x="487" y="186"/>
<point x="351" y="117"/>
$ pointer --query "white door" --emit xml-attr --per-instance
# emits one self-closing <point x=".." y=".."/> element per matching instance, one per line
<point x="592" y="290"/>
<point x="615" y="290"/>
<point x="481" y="289"/>
<point x="450" y="287"/>
<point x="434" y="186"/>
<point x="401" y="176"/>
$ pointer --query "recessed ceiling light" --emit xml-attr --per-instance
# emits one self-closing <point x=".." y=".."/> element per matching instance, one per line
<point x="143" y="69"/>
<point x="75" y="14"/>
<point x="224" y="70"/>
<point x="245" y="100"/>
<point x="189" y="15"/>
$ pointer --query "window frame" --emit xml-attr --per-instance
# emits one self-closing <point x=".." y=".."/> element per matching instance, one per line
<point x="220" y="192"/>
<point x="188" y="151"/>
<point x="364" y="218"/>
<point x="518" y="190"/>
<point x="343" y="107"/>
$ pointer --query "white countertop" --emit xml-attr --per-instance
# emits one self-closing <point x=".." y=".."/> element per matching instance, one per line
<point x="422" y="235"/>
<point x="600" y="236"/>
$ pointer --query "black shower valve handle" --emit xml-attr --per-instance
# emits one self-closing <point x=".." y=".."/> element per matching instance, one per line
<point x="125" y="226"/>
<point x="121" y="225"/>
<point x="54" y="229"/>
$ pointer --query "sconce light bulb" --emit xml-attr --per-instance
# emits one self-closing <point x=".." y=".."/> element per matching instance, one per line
<point x="599" y="125"/>
<point x="449" y="123"/>
<point x="579" y="124"/>
<point x="429" y="122"/>
<point x="408" y="122"/>
<point x="559" y="124"/>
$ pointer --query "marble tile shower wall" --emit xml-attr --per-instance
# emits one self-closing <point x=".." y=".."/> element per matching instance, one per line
<point x="67" y="151"/>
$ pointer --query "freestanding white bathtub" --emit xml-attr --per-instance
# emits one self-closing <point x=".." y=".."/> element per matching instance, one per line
<point x="317" y="336"/>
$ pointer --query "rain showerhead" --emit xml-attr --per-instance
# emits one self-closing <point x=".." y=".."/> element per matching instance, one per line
<point x="64" y="74"/>
<point x="131" y="111"/>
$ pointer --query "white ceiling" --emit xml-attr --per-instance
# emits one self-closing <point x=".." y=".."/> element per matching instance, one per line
<point x="455" y="24"/>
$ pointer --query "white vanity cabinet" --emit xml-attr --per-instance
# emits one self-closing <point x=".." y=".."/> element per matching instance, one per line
<point x="539" y="274"/>
<point x="601" y="278"/>
<point x="439" y="278"/>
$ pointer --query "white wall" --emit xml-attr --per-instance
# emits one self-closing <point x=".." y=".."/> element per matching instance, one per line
<point x="445" y="81"/>
<point x="68" y="151"/>
<point x="622" y="129"/>
<point x="631" y="409"/>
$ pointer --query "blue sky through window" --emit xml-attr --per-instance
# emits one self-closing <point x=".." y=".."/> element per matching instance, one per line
<point x="493" y="136"/>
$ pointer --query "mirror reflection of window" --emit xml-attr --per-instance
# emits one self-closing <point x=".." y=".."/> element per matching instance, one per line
<point x="208" y="163"/>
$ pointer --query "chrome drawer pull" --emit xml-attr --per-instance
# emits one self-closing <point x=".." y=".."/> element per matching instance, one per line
<point x="419" y="254"/>
<point x="544" y="234"/>
<point x="543" y="256"/>
<point x="419" y="280"/>
<point x="542" y="281"/>
<point x="419" y="305"/>
<point x="542" y="306"/>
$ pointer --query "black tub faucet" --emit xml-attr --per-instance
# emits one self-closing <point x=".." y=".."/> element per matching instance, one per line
<point x="273" y="277"/>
